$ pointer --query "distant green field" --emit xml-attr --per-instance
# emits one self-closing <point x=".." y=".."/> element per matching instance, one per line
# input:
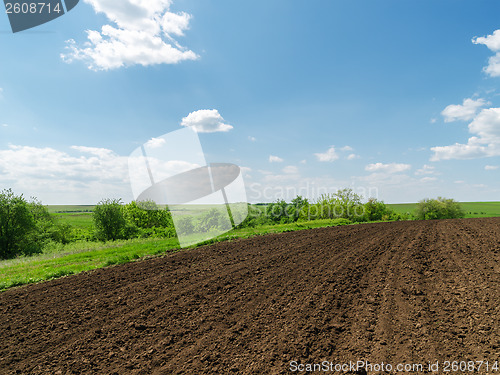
<point x="472" y="209"/>
<point x="80" y="220"/>
<point x="69" y="208"/>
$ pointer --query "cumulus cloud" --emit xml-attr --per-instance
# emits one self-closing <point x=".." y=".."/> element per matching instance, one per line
<point x="140" y="32"/>
<point x="329" y="155"/>
<point x="155" y="143"/>
<point x="491" y="167"/>
<point x="275" y="159"/>
<point x="465" y="111"/>
<point x="206" y="121"/>
<point x="387" y="168"/>
<point x="58" y="177"/>
<point x="493" y="43"/>
<point x="485" y="142"/>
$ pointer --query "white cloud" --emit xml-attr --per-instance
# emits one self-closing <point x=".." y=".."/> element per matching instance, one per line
<point x="156" y="142"/>
<point x="206" y="121"/>
<point x="329" y="155"/>
<point x="353" y="156"/>
<point x="5" y="125"/>
<point x="387" y="168"/>
<point x="252" y="139"/>
<point x="484" y="143"/>
<point x="58" y="177"/>
<point x="493" y="43"/>
<point x="275" y="159"/>
<point x="346" y="148"/>
<point x="290" y="169"/>
<point x="426" y="169"/>
<point x="303" y="161"/>
<point x="491" y="167"/>
<point x="465" y="111"/>
<point x="142" y="33"/>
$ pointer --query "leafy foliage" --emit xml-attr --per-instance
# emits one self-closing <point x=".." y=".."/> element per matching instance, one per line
<point x="376" y="210"/>
<point x="214" y="219"/>
<point x="19" y="233"/>
<point x="440" y="208"/>
<point x="343" y="204"/>
<point x="147" y="214"/>
<point x="109" y="220"/>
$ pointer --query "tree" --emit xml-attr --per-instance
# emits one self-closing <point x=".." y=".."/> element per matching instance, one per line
<point x="109" y="219"/>
<point x="18" y="227"/>
<point x="350" y="204"/>
<point x="147" y="214"/>
<point x="440" y="208"/>
<point x="279" y="212"/>
<point x="299" y="205"/>
<point x="214" y="219"/>
<point x="343" y="204"/>
<point x="377" y="210"/>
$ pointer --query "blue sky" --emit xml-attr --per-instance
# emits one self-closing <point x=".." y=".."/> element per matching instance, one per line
<point x="395" y="99"/>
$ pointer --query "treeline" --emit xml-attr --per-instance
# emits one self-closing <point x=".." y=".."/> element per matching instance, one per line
<point x="26" y="227"/>
<point x="344" y="204"/>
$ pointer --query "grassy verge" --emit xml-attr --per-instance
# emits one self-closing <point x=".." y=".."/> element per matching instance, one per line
<point x="63" y="260"/>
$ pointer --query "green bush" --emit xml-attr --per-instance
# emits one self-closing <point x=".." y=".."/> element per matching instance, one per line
<point x="279" y="212"/>
<point x="19" y="228"/>
<point x="185" y="225"/>
<point x="376" y="210"/>
<point x="256" y="216"/>
<point x="147" y="214"/>
<point x="109" y="220"/>
<point x="343" y="204"/>
<point x="440" y="208"/>
<point x="214" y="219"/>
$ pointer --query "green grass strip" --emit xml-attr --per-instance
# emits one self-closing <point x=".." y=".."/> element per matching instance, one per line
<point x="63" y="260"/>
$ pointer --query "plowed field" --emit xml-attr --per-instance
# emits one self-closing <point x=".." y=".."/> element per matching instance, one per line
<point x="398" y="293"/>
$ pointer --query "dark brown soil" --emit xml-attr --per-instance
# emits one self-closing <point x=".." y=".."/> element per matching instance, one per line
<point x="403" y="292"/>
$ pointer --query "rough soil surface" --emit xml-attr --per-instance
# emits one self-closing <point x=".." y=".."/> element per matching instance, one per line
<point x="403" y="292"/>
